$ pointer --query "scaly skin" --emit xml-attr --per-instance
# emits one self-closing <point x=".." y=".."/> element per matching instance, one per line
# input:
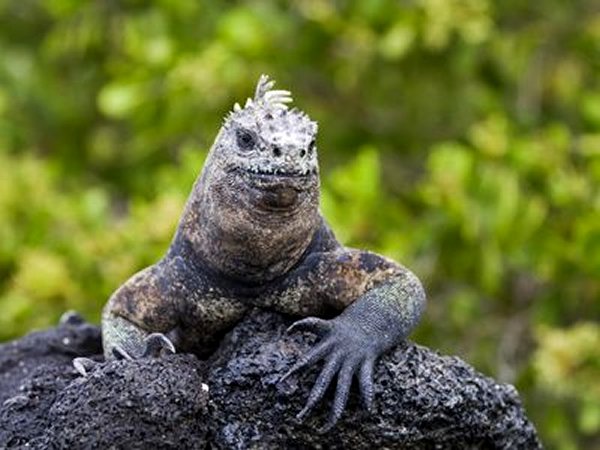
<point x="252" y="235"/>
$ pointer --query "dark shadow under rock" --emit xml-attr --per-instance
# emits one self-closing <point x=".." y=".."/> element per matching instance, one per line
<point x="423" y="400"/>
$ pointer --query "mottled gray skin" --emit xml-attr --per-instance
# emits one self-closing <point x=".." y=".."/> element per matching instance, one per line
<point x="252" y="235"/>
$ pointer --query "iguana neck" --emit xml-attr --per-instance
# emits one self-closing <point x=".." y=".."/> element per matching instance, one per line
<point x="227" y="227"/>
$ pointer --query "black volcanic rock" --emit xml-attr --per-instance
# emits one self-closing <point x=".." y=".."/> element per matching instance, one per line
<point x="234" y="400"/>
<point x="33" y="370"/>
<point x="144" y="404"/>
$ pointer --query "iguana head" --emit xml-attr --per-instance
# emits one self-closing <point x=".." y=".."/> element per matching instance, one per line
<point x="267" y="152"/>
<point x="266" y="138"/>
<point x="255" y="207"/>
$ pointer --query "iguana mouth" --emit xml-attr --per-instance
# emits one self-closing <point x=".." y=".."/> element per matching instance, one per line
<point x="279" y="173"/>
<point x="277" y="190"/>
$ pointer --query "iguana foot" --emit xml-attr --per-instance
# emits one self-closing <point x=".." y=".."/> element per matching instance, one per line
<point x="155" y="345"/>
<point x="347" y="352"/>
<point x="84" y="365"/>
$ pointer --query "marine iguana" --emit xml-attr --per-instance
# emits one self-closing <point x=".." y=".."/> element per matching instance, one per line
<point x="252" y="235"/>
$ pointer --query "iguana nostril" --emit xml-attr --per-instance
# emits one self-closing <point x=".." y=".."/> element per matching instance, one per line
<point x="302" y="153"/>
<point x="276" y="151"/>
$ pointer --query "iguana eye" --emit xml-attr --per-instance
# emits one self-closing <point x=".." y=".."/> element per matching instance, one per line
<point x="245" y="139"/>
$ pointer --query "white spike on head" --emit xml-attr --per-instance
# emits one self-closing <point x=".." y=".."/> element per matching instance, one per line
<point x="277" y="139"/>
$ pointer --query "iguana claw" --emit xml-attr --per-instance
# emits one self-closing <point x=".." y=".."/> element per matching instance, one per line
<point x="84" y="365"/>
<point x="346" y="355"/>
<point x="155" y="345"/>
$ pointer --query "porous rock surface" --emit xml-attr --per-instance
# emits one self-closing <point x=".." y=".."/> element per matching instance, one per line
<point x="235" y="400"/>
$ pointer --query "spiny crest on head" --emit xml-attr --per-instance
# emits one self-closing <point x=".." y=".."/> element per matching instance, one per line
<point x="269" y="102"/>
<point x="268" y="97"/>
<point x="265" y="97"/>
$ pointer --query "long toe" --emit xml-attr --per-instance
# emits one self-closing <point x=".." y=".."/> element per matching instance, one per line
<point x="84" y="365"/>
<point x="320" y="386"/>
<point x="313" y="324"/>
<point x="365" y="383"/>
<point x="120" y="354"/>
<point x="157" y="344"/>
<point x="313" y="356"/>
<point x="342" y="391"/>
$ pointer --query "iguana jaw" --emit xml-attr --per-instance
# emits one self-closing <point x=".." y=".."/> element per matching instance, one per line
<point x="280" y="173"/>
<point x="283" y="193"/>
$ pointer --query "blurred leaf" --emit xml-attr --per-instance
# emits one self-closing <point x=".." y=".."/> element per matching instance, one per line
<point x="460" y="137"/>
<point x="119" y="100"/>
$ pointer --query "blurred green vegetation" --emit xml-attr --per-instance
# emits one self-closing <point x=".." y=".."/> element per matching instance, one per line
<point x="460" y="137"/>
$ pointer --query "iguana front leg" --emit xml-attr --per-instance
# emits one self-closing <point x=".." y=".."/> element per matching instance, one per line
<point x="125" y="340"/>
<point x="386" y="302"/>
<point x="140" y="318"/>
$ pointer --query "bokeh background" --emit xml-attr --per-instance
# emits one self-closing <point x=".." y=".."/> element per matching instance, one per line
<point x="460" y="137"/>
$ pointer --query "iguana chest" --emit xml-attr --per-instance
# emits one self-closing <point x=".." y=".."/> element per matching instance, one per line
<point x="204" y="319"/>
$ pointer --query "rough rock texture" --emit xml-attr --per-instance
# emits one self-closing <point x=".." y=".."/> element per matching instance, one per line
<point x="33" y="370"/>
<point x="423" y="400"/>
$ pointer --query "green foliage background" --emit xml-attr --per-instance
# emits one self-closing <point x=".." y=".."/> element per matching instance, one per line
<point x="460" y="137"/>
